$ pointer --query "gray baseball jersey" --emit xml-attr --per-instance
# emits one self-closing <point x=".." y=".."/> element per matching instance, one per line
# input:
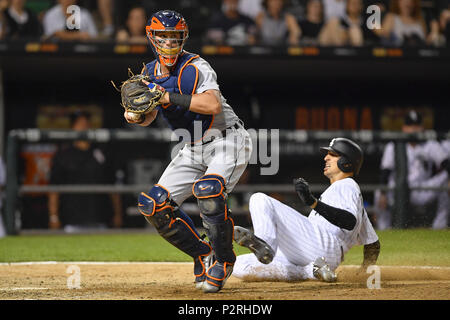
<point x="421" y="158"/>
<point x="207" y="80"/>
<point x="209" y="152"/>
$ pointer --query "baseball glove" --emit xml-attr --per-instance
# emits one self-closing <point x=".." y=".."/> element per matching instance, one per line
<point x="137" y="98"/>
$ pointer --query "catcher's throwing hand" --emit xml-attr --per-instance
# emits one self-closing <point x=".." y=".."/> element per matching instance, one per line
<point x="303" y="192"/>
<point x="141" y="119"/>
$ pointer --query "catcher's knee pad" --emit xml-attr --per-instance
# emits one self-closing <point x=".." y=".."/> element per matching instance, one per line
<point x="209" y="191"/>
<point x="156" y="206"/>
<point x="171" y="223"/>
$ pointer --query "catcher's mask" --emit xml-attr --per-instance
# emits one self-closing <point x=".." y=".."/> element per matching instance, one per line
<point x="167" y="31"/>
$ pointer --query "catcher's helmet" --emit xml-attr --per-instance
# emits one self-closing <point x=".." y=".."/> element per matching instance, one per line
<point x="351" y="154"/>
<point x="167" y="21"/>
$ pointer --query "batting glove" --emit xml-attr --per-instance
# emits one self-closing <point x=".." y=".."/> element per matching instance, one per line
<point x="303" y="192"/>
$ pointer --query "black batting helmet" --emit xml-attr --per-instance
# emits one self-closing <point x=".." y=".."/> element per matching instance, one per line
<point x="351" y="154"/>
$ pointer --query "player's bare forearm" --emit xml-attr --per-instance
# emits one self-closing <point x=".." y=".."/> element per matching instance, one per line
<point x="207" y="102"/>
<point x="371" y="252"/>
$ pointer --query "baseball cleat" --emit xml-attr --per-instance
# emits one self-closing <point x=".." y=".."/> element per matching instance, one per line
<point x="322" y="271"/>
<point x="201" y="265"/>
<point x="263" y="252"/>
<point x="216" y="277"/>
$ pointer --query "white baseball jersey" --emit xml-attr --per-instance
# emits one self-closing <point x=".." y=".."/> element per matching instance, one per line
<point x="299" y="240"/>
<point x="421" y="160"/>
<point x="446" y="145"/>
<point x="345" y="194"/>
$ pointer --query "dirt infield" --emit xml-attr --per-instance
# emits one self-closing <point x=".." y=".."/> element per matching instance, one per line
<point x="174" y="281"/>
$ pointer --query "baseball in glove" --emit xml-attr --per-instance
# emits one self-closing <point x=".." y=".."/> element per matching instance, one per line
<point x="138" y="98"/>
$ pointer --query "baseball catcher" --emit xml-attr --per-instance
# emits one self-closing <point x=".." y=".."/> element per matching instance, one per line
<point x="139" y="96"/>
<point x="192" y="103"/>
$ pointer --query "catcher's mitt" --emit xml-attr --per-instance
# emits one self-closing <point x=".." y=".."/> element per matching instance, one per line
<point x="138" y="98"/>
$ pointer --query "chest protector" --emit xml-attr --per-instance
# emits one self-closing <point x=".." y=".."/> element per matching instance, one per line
<point x="182" y="79"/>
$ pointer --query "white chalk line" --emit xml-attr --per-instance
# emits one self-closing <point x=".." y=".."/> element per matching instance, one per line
<point x="28" y="263"/>
<point x="23" y="288"/>
<point x="100" y="263"/>
<point x="402" y="267"/>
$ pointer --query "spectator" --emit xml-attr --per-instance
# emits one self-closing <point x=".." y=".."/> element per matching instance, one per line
<point x="2" y="184"/>
<point x="349" y="30"/>
<point x="250" y="8"/>
<point x="231" y="27"/>
<point x="444" y="23"/>
<point x="105" y="10"/>
<point x="431" y="10"/>
<point x="334" y="9"/>
<point x="134" y="30"/>
<point x="426" y="166"/>
<point x="81" y="163"/>
<point x="56" y="20"/>
<point x="276" y="26"/>
<point x="17" y="22"/>
<point x="311" y="26"/>
<point x="404" y="25"/>
<point x="297" y="8"/>
<point x="383" y="5"/>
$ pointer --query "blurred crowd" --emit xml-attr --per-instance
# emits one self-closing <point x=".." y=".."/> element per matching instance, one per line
<point x="237" y="22"/>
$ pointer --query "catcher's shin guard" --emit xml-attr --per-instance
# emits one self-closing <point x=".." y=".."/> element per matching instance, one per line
<point x="219" y="227"/>
<point x="174" y="225"/>
<point x="221" y="237"/>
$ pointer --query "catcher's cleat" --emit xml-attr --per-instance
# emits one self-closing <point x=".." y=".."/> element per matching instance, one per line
<point x="218" y="273"/>
<point x="201" y="265"/>
<point x="322" y="271"/>
<point x="263" y="252"/>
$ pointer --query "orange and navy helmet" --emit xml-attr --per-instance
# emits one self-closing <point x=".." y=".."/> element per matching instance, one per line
<point x="167" y="31"/>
